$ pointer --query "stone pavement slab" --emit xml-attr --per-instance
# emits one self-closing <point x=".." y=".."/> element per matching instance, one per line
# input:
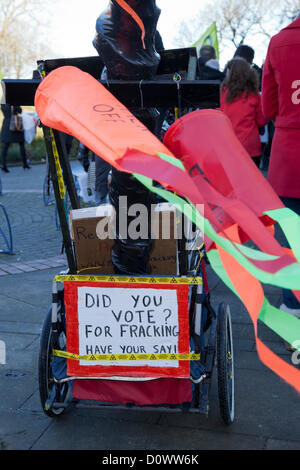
<point x="29" y="289"/>
<point x="16" y="387"/>
<point x="35" y="234"/>
<point x="21" y="353"/>
<point x="19" y="431"/>
<point x="267" y="409"/>
<point x="136" y="435"/>
<point x="24" y="311"/>
<point x="273" y="444"/>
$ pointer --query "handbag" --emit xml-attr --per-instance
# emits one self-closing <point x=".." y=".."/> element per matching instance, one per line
<point x="16" y="123"/>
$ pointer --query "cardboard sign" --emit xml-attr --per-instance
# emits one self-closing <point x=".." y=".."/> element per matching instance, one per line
<point x="121" y="319"/>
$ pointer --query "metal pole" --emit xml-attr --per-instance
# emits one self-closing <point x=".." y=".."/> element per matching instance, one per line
<point x="66" y="168"/>
<point x="60" y="203"/>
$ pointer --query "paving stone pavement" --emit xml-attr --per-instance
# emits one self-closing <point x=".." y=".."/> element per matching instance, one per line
<point x="35" y="234"/>
<point x="267" y="409"/>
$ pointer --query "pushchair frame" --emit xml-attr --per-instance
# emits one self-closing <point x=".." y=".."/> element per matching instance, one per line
<point x="55" y="393"/>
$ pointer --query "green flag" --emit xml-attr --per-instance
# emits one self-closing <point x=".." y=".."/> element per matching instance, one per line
<point x="210" y="37"/>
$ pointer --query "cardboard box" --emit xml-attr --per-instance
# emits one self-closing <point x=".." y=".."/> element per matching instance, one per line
<point x="164" y="255"/>
<point x="93" y="254"/>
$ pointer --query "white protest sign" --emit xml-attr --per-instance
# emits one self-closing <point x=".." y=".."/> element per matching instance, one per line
<point x="128" y="321"/>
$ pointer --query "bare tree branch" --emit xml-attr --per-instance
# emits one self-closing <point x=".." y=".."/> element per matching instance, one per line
<point x="290" y="10"/>
<point x="237" y="20"/>
<point x="18" y="39"/>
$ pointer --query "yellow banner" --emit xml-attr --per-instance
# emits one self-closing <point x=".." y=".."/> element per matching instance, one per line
<point x="210" y="38"/>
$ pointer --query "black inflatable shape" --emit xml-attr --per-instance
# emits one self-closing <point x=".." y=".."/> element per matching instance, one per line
<point x="119" y="41"/>
<point x="125" y="43"/>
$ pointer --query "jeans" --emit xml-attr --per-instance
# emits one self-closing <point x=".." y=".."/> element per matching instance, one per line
<point x="288" y="297"/>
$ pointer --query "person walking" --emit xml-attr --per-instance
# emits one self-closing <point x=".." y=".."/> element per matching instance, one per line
<point x="241" y="102"/>
<point x="8" y="136"/>
<point x="248" y="53"/>
<point x="208" y="64"/>
<point x="281" y="103"/>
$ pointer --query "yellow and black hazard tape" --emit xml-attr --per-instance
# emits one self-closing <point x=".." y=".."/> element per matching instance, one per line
<point x="131" y="280"/>
<point x="61" y="183"/>
<point x="127" y="357"/>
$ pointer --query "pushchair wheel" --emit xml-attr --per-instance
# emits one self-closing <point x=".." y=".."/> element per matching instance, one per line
<point x="225" y="364"/>
<point x="50" y="392"/>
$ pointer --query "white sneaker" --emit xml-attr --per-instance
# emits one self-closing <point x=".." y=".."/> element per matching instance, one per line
<point x="296" y="313"/>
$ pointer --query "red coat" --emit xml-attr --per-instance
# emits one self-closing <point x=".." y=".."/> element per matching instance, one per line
<point x="246" y="117"/>
<point x="281" y="102"/>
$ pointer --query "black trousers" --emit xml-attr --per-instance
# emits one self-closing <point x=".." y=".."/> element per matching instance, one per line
<point x="5" y="146"/>
<point x="257" y="161"/>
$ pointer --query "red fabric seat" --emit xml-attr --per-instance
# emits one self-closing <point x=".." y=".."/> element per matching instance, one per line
<point x="153" y="392"/>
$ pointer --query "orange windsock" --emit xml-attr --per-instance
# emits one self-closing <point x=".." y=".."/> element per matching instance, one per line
<point x="74" y="102"/>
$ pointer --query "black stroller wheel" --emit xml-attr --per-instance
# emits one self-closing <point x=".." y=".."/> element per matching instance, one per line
<point x="225" y="364"/>
<point x="49" y="390"/>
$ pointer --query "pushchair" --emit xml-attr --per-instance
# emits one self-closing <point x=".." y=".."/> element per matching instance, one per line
<point x="169" y="363"/>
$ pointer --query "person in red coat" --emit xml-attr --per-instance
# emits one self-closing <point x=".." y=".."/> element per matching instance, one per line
<point x="241" y="102"/>
<point x="281" y="103"/>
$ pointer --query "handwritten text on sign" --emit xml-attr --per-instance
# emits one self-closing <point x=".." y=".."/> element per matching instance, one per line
<point x="128" y="321"/>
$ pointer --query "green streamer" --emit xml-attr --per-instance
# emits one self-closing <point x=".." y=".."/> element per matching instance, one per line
<point x="287" y="278"/>
<point x="289" y="222"/>
<point x="285" y="325"/>
<point x="174" y="161"/>
<point x="282" y="323"/>
<point x="255" y="254"/>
